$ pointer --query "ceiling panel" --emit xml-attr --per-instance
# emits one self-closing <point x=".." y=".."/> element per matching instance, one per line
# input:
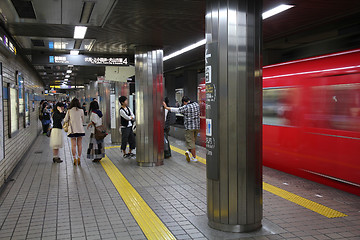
<point x="117" y="27"/>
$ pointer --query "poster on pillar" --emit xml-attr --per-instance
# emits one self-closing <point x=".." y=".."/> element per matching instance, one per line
<point x="211" y="81"/>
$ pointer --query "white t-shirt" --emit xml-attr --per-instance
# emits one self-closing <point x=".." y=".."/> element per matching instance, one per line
<point x="96" y="120"/>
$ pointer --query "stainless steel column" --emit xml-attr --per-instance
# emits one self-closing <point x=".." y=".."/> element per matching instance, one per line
<point x="234" y="114"/>
<point x="149" y="112"/>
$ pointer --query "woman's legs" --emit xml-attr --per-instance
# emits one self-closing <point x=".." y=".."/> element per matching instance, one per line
<point x="79" y="145"/>
<point x="55" y="153"/>
<point x="73" y="147"/>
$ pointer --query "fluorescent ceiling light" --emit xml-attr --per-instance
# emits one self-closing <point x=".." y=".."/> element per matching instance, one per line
<point x="74" y="52"/>
<point x="186" y="49"/>
<point x="267" y="14"/>
<point x="70" y="65"/>
<point x="80" y="32"/>
<point x="67" y="76"/>
<point x="276" y="10"/>
<point x="69" y="71"/>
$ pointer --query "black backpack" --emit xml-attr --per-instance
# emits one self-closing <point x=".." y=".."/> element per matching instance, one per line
<point x="170" y="119"/>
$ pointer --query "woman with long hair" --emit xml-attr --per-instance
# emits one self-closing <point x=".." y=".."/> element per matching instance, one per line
<point x="75" y="118"/>
<point x="96" y="150"/>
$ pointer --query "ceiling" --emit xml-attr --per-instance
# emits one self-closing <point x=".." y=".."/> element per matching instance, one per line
<point x="117" y="27"/>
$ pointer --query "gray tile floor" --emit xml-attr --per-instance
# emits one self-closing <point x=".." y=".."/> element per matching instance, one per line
<point x="60" y="201"/>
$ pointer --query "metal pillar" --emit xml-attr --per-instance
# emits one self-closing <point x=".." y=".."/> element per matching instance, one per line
<point x="234" y="114"/>
<point x="149" y="112"/>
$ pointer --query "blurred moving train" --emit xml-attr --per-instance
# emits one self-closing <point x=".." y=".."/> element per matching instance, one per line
<point x="311" y="118"/>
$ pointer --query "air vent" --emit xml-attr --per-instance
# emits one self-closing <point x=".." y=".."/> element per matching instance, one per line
<point x="37" y="43"/>
<point x="24" y="8"/>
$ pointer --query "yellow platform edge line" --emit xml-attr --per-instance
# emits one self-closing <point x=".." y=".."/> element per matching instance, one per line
<point x="148" y="221"/>
<point x="311" y="205"/>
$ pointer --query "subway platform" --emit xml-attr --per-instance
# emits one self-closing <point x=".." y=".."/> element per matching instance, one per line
<point x="116" y="199"/>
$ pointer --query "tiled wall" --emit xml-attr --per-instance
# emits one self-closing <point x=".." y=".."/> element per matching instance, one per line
<point x="17" y="145"/>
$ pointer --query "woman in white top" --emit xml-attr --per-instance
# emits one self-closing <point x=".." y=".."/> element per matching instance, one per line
<point x="75" y="118"/>
<point x="96" y="150"/>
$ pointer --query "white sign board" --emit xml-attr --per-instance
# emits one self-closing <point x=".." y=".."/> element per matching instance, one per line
<point x="112" y="111"/>
<point x="208" y="127"/>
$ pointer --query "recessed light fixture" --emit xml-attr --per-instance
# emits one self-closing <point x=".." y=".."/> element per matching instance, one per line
<point x="74" y="52"/>
<point x="69" y="71"/>
<point x="67" y="76"/>
<point x="276" y="10"/>
<point x="79" y="32"/>
<point x="267" y="14"/>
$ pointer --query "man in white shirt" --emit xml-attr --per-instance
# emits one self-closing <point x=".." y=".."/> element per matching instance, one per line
<point x="126" y="124"/>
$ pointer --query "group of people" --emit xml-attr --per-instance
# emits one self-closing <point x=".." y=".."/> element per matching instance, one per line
<point x="72" y="114"/>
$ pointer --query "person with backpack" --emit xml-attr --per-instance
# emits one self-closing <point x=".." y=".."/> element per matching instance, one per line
<point x="126" y="126"/>
<point x="191" y="112"/>
<point x="46" y="117"/>
<point x="96" y="150"/>
<point x="170" y="119"/>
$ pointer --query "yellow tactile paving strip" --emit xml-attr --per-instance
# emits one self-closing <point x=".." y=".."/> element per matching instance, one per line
<point x="148" y="221"/>
<point x="313" y="206"/>
<point x="316" y="207"/>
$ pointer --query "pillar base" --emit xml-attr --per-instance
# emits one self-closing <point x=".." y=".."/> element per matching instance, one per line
<point x="235" y="228"/>
<point x="145" y="164"/>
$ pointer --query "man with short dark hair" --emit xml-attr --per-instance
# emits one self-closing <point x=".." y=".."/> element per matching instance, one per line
<point x="127" y="135"/>
<point x="191" y="112"/>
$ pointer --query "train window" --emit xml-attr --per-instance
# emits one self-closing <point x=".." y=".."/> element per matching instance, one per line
<point x="335" y="107"/>
<point x="278" y="106"/>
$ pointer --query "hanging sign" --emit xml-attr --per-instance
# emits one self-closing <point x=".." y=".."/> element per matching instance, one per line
<point x="81" y="60"/>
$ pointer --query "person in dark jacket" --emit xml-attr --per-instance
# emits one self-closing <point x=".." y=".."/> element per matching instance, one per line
<point x="46" y="117"/>
<point x="56" y="137"/>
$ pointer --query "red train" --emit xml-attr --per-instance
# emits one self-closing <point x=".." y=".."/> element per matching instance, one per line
<point x="311" y="118"/>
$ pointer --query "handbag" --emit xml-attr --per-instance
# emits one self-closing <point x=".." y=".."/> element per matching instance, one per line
<point x="66" y="125"/>
<point x="100" y="132"/>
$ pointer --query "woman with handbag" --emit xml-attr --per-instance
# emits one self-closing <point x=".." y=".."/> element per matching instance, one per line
<point x="56" y="136"/>
<point x="74" y="118"/>
<point x="96" y="150"/>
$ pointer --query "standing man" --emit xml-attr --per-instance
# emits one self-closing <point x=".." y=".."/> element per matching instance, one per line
<point x="127" y="134"/>
<point x="191" y="112"/>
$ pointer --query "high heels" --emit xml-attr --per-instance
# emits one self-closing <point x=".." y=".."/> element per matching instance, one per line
<point x="78" y="161"/>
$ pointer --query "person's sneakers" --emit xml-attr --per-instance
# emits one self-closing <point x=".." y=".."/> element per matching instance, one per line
<point x="126" y="155"/>
<point x="188" y="156"/>
<point x="131" y="155"/>
<point x="194" y="160"/>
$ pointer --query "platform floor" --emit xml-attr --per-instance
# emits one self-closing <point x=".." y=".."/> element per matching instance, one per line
<point x="45" y="200"/>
